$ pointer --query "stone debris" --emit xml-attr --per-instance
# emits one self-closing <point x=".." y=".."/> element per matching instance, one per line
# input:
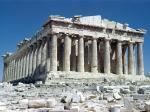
<point x="75" y="97"/>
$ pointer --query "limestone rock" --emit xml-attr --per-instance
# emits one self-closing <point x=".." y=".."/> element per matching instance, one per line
<point x="124" y="91"/>
<point x="39" y="103"/>
<point x="117" y="96"/>
<point x="24" y="103"/>
<point x="51" y="102"/>
<point x="147" y="106"/>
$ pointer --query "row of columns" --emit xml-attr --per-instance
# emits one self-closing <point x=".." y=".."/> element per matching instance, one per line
<point x="41" y="57"/>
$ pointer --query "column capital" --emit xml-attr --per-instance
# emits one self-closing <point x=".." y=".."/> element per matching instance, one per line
<point x="131" y="42"/>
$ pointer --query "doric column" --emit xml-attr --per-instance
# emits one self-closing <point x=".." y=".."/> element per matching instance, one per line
<point x="74" y="55"/>
<point x="124" y="59"/>
<point x="39" y="52"/>
<point x="94" y="61"/>
<point x="13" y="78"/>
<point x="43" y="56"/>
<point x="15" y="69"/>
<point x="8" y="73"/>
<point x="34" y="58"/>
<point x="119" y="58"/>
<point x="24" y="65"/>
<point x="54" y="53"/>
<point x="48" y="61"/>
<point x="21" y="67"/>
<point x="107" y="56"/>
<point x="67" y="51"/>
<point x="86" y="61"/>
<point x="4" y="72"/>
<point x="140" y="61"/>
<point x="11" y="67"/>
<point x="18" y="71"/>
<point x="80" y="66"/>
<point x="30" y="60"/>
<point x="130" y="59"/>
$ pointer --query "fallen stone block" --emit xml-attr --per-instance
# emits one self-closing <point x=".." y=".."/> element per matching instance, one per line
<point x="23" y="103"/>
<point x="37" y="103"/>
<point x="51" y="103"/>
<point x="41" y="103"/>
<point x="147" y="106"/>
<point x="116" y="96"/>
<point x="141" y="97"/>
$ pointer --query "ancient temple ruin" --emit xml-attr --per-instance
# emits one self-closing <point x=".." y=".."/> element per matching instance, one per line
<point x="80" y="44"/>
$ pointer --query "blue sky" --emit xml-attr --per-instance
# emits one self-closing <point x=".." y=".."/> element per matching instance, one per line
<point x="21" y="18"/>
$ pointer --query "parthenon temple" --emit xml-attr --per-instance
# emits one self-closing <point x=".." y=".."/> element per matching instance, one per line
<point x="80" y="44"/>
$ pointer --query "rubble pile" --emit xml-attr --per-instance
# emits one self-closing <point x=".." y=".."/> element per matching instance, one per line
<point x="84" y="97"/>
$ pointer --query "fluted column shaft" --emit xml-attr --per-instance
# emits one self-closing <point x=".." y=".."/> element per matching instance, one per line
<point x="67" y="52"/>
<point x="39" y="53"/>
<point x="74" y="54"/>
<point x="53" y="53"/>
<point x="124" y="59"/>
<point x="140" y="61"/>
<point x="130" y="59"/>
<point x="30" y="60"/>
<point x="119" y="58"/>
<point x="48" y="52"/>
<point x="4" y="73"/>
<point x="14" y="70"/>
<point x="80" y="66"/>
<point x="8" y="75"/>
<point x="27" y="63"/>
<point x="107" y="57"/>
<point x="24" y="67"/>
<point x="21" y="67"/>
<point x="43" y="56"/>
<point x="34" y="58"/>
<point x="94" y="62"/>
<point x="18" y="70"/>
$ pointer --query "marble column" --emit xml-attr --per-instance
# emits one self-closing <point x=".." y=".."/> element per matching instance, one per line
<point x="140" y="61"/>
<point x="39" y="45"/>
<point x="18" y="68"/>
<point x="30" y="60"/>
<point x="13" y="69"/>
<point x="94" y="61"/>
<point x="86" y="61"/>
<point x="80" y="66"/>
<point x="43" y="56"/>
<point x="21" y="67"/>
<point x="4" y="72"/>
<point x="67" y="52"/>
<point x="54" y="53"/>
<point x="124" y="59"/>
<point x="107" y="57"/>
<point x="74" y="55"/>
<point x="34" y="57"/>
<point x="119" y="58"/>
<point x="8" y="71"/>
<point x="48" y="61"/>
<point x="24" y="67"/>
<point x="130" y="59"/>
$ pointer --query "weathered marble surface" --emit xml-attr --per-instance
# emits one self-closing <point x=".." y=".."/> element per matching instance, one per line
<point x="80" y="96"/>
